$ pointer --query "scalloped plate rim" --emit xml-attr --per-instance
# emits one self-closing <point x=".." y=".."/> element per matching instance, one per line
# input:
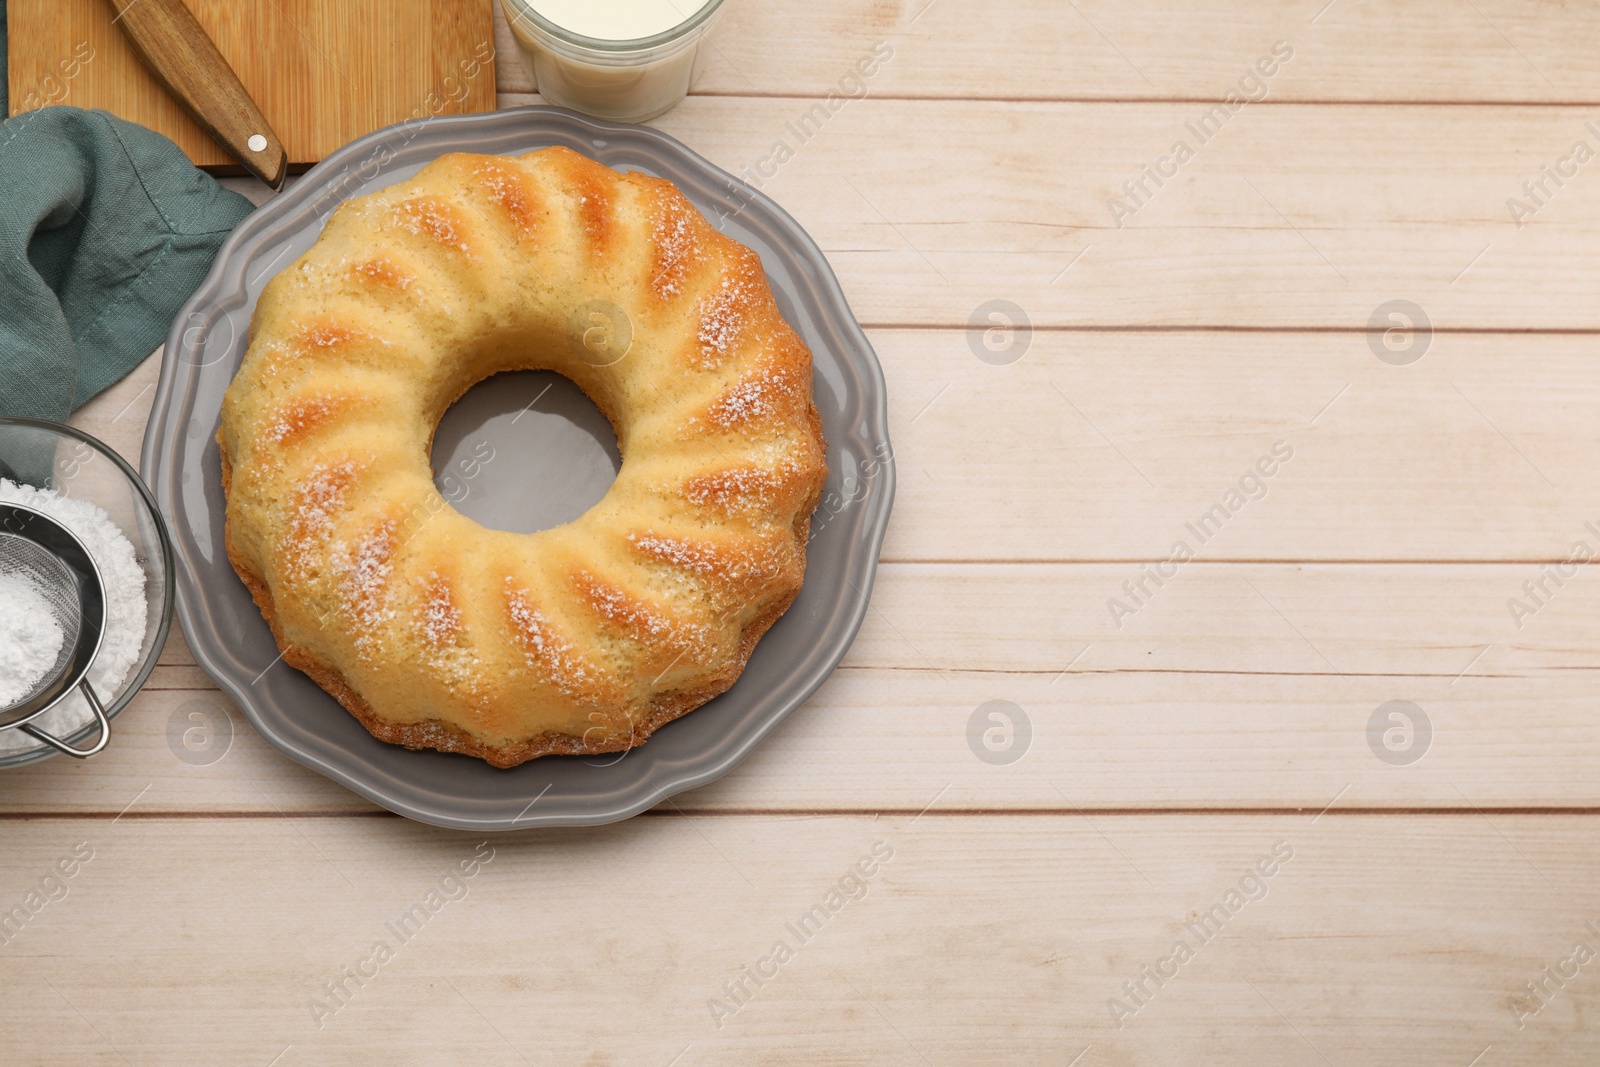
<point x="287" y="212"/>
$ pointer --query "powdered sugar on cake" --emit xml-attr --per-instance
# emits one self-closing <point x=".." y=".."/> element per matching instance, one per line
<point x="722" y="320"/>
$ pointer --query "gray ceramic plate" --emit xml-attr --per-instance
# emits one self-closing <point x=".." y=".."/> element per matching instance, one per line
<point x="231" y="641"/>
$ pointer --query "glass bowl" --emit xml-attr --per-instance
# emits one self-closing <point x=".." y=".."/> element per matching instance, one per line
<point x="71" y="463"/>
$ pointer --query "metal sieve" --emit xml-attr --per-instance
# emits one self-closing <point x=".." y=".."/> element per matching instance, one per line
<point x="42" y="552"/>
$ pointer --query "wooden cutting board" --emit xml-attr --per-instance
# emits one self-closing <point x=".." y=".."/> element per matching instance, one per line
<point x="323" y="71"/>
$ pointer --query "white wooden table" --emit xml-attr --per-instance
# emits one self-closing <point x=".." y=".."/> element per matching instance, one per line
<point x="1423" y="875"/>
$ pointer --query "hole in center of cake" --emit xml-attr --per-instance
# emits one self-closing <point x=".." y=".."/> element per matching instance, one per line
<point x="524" y="451"/>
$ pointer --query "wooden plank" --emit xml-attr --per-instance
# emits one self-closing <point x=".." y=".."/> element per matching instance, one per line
<point x="322" y="74"/>
<point x="119" y="415"/>
<point x="879" y="739"/>
<point x="1396" y="939"/>
<point x="1355" y="50"/>
<point x="1308" y="216"/>
<point x="1333" y="620"/>
<point x="1236" y="686"/>
<point x="1111" y="445"/>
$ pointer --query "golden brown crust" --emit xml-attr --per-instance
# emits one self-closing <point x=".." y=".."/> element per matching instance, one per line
<point x="446" y="737"/>
<point x="698" y="568"/>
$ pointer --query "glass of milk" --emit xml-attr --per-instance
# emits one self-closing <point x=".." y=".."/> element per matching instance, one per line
<point x="627" y="60"/>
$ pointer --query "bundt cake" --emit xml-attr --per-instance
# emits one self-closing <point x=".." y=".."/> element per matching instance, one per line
<point x="435" y="631"/>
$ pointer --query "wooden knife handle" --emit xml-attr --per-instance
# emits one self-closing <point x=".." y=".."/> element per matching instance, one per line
<point x="184" y="58"/>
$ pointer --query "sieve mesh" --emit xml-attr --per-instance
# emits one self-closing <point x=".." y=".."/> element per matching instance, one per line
<point x="52" y="579"/>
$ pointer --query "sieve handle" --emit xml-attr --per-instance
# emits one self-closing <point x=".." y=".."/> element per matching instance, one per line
<point x="80" y="753"/>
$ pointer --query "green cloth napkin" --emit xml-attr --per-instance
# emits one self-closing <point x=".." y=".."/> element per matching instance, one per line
<point x="105" y="230"/>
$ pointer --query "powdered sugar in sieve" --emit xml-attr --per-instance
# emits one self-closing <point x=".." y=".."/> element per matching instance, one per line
<point x="123" y="582"/>
<point x="30" y="637"/>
